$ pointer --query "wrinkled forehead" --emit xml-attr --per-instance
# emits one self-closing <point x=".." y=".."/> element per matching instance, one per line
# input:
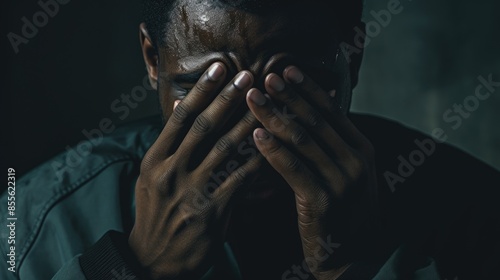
<point x="203" y="26"/>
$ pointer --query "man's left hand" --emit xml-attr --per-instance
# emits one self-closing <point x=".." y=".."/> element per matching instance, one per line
<point x="324" y="158"/>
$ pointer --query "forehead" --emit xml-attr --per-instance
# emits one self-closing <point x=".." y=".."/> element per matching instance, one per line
<point x="200" y="27"/>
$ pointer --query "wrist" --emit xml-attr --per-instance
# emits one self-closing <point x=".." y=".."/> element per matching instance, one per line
<point x="110" y="257"/>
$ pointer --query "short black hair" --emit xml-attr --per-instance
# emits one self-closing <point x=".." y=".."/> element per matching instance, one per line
<point x="347" y="13"/>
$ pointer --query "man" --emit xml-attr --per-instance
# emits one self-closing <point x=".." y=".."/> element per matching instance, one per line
<point x="258" y="171"/>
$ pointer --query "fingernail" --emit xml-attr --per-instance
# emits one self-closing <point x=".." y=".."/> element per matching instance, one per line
<point x="243" y="81"/>
<point x="276" y="83"/>
<point x="332" y="92"/>
<point x="261" y="134"/>
<point x="176" y="102"/>
<point x="215" y="72"/>
<point x="295" y="75"/>
<point x="257" y="97"/>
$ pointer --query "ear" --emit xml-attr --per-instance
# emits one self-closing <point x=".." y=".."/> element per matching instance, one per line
<point x="150" y="55"/>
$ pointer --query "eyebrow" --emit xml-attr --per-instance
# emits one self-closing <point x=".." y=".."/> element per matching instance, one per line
<point x="188" y="78"/>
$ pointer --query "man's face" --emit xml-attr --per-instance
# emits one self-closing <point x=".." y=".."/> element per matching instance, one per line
<point x="200" y="33"/>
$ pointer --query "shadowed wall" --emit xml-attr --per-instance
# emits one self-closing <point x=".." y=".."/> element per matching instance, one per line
<point x="428" y="59"/>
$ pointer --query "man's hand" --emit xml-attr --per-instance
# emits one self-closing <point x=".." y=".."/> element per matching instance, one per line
<point x="181" y="215"/>
<point x="327" y="162"/>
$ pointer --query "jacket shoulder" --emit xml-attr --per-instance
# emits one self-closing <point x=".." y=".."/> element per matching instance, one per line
<point x="40" y="193"/>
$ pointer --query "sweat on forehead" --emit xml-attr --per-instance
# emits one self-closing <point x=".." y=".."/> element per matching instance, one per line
<point x="207" y="27"/>
<point x="346" y="13"/>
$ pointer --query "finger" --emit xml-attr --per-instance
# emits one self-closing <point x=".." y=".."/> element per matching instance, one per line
<point x="195" y="102"/>
<point x="238" y="181"/>
<point x="217" y="113"/>
<point x="227" y="144"/>
<point x="292" y="134"/>
<point x="326" y="104"/>
<point x="300" y="178"/>
<point x="307" y="116"/>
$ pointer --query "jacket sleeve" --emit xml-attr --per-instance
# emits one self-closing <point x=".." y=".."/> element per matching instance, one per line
<point x="108" y="258"/>
<point x="70" y="270"/>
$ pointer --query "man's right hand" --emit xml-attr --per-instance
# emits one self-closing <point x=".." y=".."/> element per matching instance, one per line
<point x="181" y="216"/>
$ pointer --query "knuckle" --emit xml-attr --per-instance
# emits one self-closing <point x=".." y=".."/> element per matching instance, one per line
<point x="272" y="115"/>
<point x="356" y="167"/>
<point x="226" y="98"/>
<point x="197" y="206"/>
<point x="240" y="175"/>
<point x="181" y="113"/>
<point x="142" y="186"/>
<point x="313" y="206"/>
<point x="300" y="137"/>
<point x="274" y="150"/>
<point x="224" y="145"/>
<point x="201" y="125"/>
<point x="149" y="181"/>
<point x="162" y="189"/>
<point x="202" y="87"/>
<point x="150" y="161"/>
<point x="314" y="119"/>
<point x="293" y="164"/>
<point x="157" y="178"/>
<point x="164" y="180"/>
<point x="249" y="119"/>
<point x="274" y="122"/>
<point x="147" y="163"/>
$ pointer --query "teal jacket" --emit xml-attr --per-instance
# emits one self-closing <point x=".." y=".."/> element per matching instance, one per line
<point x="440" y="216"/>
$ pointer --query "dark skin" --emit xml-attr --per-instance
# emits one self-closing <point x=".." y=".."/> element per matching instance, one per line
<point x="317" y="154"/>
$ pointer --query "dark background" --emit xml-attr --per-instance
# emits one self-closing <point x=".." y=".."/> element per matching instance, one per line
<point x="66" y="77"/>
